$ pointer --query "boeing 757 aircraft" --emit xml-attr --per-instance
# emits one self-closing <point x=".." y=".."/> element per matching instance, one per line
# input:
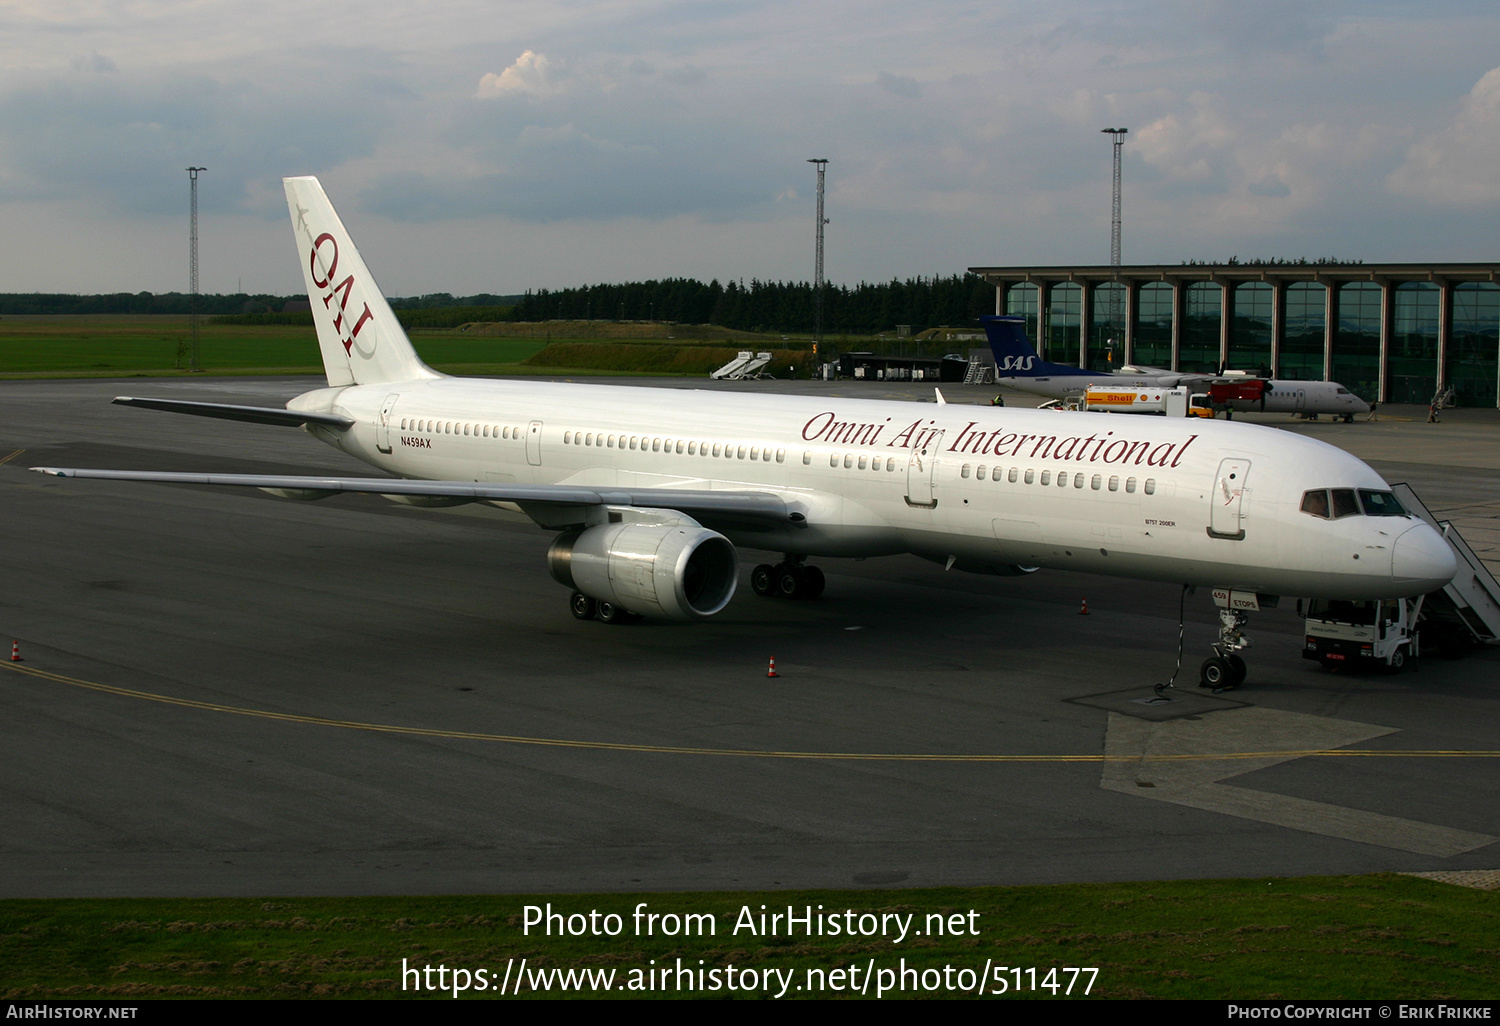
<point x="1018" y="365"/>
<point x="649" y="491"/>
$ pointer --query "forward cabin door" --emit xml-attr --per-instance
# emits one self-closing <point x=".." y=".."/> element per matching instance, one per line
<point x="534" y="443"/>
<point x="1227" y="516"/>
<point x="921" y="470"/>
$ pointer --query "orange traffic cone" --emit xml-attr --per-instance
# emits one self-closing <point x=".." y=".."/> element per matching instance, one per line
<point x="15" y="651"/>
<point x="1083" y="610"/>
<point x="771" y="670"/>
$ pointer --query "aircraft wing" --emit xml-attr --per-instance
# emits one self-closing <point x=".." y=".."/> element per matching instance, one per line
<point x="549" y="505"/>
<point x="253" y="414"/>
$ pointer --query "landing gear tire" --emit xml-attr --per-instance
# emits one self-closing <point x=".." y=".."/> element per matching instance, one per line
<point x="763" y="579"/>
<point x="789" y="581"/>
<point x="1237" y="671"/>
<point x="583" y="607"/>
<point x="611" y="613"/>
<point x="1216" y="672"/>
<point x="813" y="582"/>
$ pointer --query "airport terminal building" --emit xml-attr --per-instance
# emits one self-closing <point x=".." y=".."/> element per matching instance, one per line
<point x="1389" y="332"/>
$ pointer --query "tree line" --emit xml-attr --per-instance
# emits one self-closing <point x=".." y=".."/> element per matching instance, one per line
<point x="212" y="304"/>
<point x="769" y="306"/>
<point x="863" y="309"/>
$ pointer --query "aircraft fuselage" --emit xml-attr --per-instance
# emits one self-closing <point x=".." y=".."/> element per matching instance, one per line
<point x="989" y="488"/>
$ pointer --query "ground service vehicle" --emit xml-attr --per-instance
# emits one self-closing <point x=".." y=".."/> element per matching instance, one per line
<point x="1388" y="633"/>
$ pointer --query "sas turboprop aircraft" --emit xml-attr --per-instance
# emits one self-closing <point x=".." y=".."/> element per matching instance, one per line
<point x="1018" y="365"/>
<point x="649" y="491"/>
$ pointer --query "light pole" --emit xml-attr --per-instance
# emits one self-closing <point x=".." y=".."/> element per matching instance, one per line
<point x="1112" y="338"/>
<point x="193" y="268"/>
<point x="822" y="165"/>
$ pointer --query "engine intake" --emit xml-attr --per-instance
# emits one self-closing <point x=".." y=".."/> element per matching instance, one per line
<point x="678" y="572"/>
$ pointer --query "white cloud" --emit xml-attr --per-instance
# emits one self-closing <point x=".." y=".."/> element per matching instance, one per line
<point x="899" y="85"/>
<point x="681" y="127"/>
<point x="1456" y="165"/>
<point x="531" y="75"/>
<point x="1194" y="146"/>
<point x="94" y="62"/>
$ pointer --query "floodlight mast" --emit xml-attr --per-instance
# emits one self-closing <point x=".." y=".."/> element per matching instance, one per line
<point x="193" y="268"/>
<point x="1115" y="312"/>
<point x="822" y="165"/>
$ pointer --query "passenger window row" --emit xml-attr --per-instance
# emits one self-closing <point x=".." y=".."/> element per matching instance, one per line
<point x="1064" y="478"/>
<point x="451" y="427"/>
<point x="679" y="446"/>
<point x="981" y="472"/>
<point x="854" y="461"/>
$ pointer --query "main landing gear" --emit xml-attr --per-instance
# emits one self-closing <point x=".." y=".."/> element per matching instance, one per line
<point x="585" y="608"/>
<point x="788" y="579"/>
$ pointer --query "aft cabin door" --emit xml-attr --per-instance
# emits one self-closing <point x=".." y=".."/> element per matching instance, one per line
<point x="1227" y="514"/>
<point x="383" y="426"/>
<point x="921" y="469"/>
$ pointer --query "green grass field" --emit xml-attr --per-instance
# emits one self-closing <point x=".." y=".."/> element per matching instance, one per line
<point x="1371" y="937"/>
<point x="124" y="346"/>
<point x="148" y="346"/>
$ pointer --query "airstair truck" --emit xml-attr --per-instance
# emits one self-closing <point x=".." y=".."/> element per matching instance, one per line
<point x="1389" y="633"/>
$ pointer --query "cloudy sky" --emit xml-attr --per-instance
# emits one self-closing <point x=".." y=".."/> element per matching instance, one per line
<point x="491" y="146"/>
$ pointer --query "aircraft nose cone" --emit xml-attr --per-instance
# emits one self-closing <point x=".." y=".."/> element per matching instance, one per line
<point x="1422" y="557"/>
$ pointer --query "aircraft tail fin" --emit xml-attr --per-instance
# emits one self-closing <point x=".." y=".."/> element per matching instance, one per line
<point x="361" y="341"/>
<point x="1014" y="355"/>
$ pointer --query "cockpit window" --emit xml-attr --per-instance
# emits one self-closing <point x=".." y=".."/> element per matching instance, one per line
<point x="1316" y="503"/>
<point x="1344" y="504"/>
<point x="1380" y="504"/>
<point x="1333" y="503"/>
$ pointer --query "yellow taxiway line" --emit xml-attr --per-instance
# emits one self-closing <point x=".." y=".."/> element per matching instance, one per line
<point x="615" y="746"/>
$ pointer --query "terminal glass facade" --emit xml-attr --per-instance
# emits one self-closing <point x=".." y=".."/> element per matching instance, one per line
<point x="1200" y="329"/>
<point x="1064" y="324"/>
<point x="1388" y="332"/>
<point x="1153" y="325"/>
<point x="1302" y="347"/>
<point x="1356" y="344"/>
<point x="1107" y="340"/>
<point x="1250" y="327"/>
<point x="1414" y="343"/>
<point x="1020" y="301"/>
<point x="1475" y="344"/>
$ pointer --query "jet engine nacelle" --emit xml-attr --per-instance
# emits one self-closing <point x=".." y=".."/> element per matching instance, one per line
<point x="677" y="572"/>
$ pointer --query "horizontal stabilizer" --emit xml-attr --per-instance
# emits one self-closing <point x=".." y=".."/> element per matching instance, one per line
<point x="760" y="506"/>
<point x="253" y="414"/>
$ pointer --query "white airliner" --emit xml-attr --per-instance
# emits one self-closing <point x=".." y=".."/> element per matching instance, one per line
<point x="1018" y="365"/>
<point x="650" y="490"/>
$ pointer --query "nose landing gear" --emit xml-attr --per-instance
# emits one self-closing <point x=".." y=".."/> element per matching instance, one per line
<point x="1225" y="669"/>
